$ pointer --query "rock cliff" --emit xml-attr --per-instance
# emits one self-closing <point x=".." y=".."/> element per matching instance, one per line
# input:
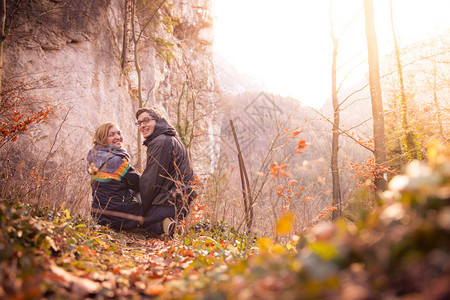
<point x="71" y="53"/>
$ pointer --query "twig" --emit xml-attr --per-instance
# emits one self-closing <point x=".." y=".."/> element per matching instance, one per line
<point x="119" y="214"/>
<point x="245" y="183"/>
<point x="50" y="153"/>
<point x="345" y="132"/>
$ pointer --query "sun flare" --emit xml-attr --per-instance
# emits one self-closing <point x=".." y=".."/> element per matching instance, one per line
<point x="287" y="44"/>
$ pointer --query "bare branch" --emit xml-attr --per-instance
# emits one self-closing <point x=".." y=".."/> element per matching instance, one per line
<point x="344" y="131"/>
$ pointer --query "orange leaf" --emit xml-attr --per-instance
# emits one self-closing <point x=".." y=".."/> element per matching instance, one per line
<point x="273" y="168"/>
<point x="294" y="134"/>
<point x="154" y="290"/>
<point x="301" y="146"/>
<point x="188" y="252"/>
<point x="283" y="173"/>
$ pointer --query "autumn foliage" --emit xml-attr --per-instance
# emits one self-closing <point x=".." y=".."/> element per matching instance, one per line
<point x="51" y="254"/>
<point x="199" y="212"/>
<point x="16" y="111"/>
<point x="288" y="191"/>
<point x="366" y="172"/>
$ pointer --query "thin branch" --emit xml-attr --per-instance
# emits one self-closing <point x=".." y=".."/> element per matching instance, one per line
<point x="351" y="21"/>
<point x="348" y="73"/>
<point x="351" y="94"/>
<point x="344" y="132"/>
<point x="360" y="124"/>
<point x="354" y="101"/>
<point x="50" y="153"/>
<point x="148" y="22"/>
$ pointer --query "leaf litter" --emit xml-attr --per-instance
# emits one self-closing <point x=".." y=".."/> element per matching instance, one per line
<point x="399" y="251"/>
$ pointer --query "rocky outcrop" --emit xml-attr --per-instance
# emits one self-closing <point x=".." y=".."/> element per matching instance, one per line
<point x="73" y="49"/>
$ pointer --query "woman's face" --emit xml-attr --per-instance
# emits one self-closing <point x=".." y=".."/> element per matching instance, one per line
<point x="114" y="137"/>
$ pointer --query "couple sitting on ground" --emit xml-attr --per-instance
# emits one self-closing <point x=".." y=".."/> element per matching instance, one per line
<point x="165" y="185"/>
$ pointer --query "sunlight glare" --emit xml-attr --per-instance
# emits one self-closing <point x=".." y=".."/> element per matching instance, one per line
<point x="287" y="44"/>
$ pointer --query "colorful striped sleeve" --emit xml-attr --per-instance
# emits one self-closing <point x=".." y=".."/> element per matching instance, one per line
<point x="117" y="175"/>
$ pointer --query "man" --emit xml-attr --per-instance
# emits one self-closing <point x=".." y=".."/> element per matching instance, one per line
<point x="165" y="184"/>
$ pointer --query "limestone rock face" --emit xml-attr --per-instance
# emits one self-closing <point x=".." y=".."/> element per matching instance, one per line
<point x="73" y="49"/>
<point x="78" y="53"/>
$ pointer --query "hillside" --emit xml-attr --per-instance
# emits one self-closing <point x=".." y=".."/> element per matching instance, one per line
<point x="230" y="81"/>
<point x="268" y="128"/>
<point x="400" y="250"/>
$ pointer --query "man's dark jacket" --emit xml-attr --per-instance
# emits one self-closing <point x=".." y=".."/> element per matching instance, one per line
<point x="168" y="169"/>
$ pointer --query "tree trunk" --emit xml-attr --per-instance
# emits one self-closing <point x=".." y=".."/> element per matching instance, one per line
<point x="410" y="147"/>
<point x="135" y="37"/>
<point x="138" y="71"/>
<point x="375" y="94"/>
<point x="126" y="34"/>
<point x="436" y="102"/>
<point x="335" y="132"/>
<point x="2" y="39"/>
<point x="246" y="191"/>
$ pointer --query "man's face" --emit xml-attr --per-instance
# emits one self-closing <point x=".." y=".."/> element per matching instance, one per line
<point x="146" y="124"/>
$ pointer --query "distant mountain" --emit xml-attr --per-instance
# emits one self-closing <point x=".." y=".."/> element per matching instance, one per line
<point x="270" y="129"/>
<point x="264" y="125"/>
<point x="230" y="81"/>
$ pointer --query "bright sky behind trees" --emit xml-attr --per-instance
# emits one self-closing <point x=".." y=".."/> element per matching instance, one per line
<point x="286" y="44"/>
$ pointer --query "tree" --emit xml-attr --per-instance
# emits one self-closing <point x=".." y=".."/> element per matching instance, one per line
<point x="16" y="112"/>
<point x="336" y="130"/>
<point x="126" y="34"/>
<point x="411" y="148"/>
<point x="194" y="105"/>
<point x="137" y="33"/>
<point x="436" y="100"/>
<point x="336" y="120"/>
<point x="2" y="38"/>
<point x="375" y="93"/>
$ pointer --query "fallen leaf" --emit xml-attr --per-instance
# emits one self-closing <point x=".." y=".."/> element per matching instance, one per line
<point x="79" y="286"/>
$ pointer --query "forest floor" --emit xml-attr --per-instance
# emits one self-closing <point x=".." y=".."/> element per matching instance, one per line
<point x="401" y="250"/>
<point x="49" y="254"/>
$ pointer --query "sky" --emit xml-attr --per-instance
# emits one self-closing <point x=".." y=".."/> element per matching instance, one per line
<point x="286" y="44"/>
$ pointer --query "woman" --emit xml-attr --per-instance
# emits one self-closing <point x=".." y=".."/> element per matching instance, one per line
<point x="113" y="180"/>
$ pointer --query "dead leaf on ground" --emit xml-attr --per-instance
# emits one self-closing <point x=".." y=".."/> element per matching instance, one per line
<point x="79" y="286"/>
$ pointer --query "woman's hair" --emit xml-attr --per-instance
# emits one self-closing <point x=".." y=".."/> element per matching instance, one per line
<point x="152" y="112"/>
<point x="101" y="134"/>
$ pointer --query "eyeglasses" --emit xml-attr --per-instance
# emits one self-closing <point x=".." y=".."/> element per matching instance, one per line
<point x="144" y="121"/>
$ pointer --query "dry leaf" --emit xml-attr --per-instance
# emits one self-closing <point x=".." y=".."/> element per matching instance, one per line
<point x="79" y="286"/>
